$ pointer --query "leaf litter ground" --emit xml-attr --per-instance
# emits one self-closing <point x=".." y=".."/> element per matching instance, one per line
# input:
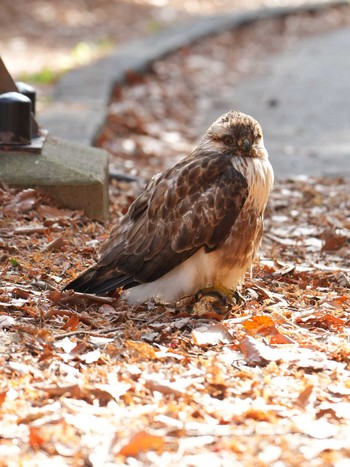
<point x="91" y="381"/>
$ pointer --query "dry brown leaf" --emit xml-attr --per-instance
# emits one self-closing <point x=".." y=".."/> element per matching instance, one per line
<point x="323" y="321"/>
<point x="333" y="241"/>
<point x="21" y="293"/>
<point x="30" y="229"/>
<point x="72" y="323"/>
<point x="55" y="244"/>
<point x="304" y="396"/>
<point x="69" y="296"/>
<point x="53" y="213"/>
<point x="257" y="353"/>
<point x="54" y="296"/>
<point x="23" y="201"/>
<point x="142" y="348"/>
<point x="74" y="390"/>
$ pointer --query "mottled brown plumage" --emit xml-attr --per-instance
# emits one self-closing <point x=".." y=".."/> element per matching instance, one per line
<point x="197" y="224"/>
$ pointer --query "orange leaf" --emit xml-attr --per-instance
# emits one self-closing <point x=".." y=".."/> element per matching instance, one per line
<point x="72" y="323"/>
<point x="2" y="397"/>
<point x="265" y="326"/>
<point x="36" y="440"/>
<point x="254" y="324"/>
<point x="141" y="442"/>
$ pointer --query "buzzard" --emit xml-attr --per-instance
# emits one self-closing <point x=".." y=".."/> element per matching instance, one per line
<point x="198" y="224"/>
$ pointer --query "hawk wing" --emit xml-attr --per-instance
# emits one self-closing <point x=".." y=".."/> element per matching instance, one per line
<point x="192" y="205"/>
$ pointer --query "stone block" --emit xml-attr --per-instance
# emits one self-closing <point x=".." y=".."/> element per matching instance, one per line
<point x="75" y="175"/>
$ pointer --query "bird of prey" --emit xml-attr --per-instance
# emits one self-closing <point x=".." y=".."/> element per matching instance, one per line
<point x="197" y="225"/>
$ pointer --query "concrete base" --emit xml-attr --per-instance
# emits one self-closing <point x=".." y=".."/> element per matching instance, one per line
<point x="76" y="176"/>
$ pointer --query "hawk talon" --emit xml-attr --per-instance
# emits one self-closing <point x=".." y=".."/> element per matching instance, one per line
<point x="228" y="295"/>
<point x="240" y="300"/>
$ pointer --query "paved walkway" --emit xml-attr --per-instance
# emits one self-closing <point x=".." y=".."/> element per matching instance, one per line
<point x="301" y="96"/>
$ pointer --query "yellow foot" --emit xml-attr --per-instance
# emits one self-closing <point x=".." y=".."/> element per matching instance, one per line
<point x="230" y="296"/>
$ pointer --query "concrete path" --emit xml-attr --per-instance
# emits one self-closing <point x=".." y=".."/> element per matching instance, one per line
<point x="301" y="97"/>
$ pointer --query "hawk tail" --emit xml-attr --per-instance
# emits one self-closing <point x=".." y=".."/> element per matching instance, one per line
<point x="99" y="282"/>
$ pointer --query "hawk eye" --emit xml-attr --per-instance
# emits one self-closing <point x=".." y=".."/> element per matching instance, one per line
<point x="228" y="139"/>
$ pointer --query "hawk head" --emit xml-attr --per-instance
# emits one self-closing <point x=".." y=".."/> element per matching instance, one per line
<point x="235" y="133"/>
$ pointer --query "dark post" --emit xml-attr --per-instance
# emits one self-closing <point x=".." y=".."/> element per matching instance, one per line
<point x="7" y="84"/>
<point x="15" y="119"/>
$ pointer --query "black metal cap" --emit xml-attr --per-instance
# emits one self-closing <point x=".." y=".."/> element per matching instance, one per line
<point x="28" y="91"/>
<point x="15" y="118"/>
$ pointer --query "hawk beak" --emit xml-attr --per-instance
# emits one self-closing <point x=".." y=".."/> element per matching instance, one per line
<point x="247" y="146"/>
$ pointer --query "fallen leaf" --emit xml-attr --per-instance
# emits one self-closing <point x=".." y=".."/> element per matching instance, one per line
<point x="142" y="442"/>
<point x="55" y="244"/>
<point x="66" y="344"/>
<point x="211" y="334"/>
<point x="36" y="437"/>
<point x="21" y="293"/>
<point x="23" y="201"/>
<point x="323" y="321"/>
<point x="320" y="429"/>
<point x="340" y="410"/>
<point x="257" y="353"/>
<point x="265" y="326"/>
<point x="333" y="241"/>
<point x="256" y="322"/>
<point x="91" y="357"/>
<point x="146" y="350"/>
<point x="6" y="321"/>
<point x="69" y="296"/>
<point x="72" y="323"/>
<point x="30" y="229"/>
<point x="2" y="397"/>
<point x="304" y="396"/>
<point x="53" y="213"/>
